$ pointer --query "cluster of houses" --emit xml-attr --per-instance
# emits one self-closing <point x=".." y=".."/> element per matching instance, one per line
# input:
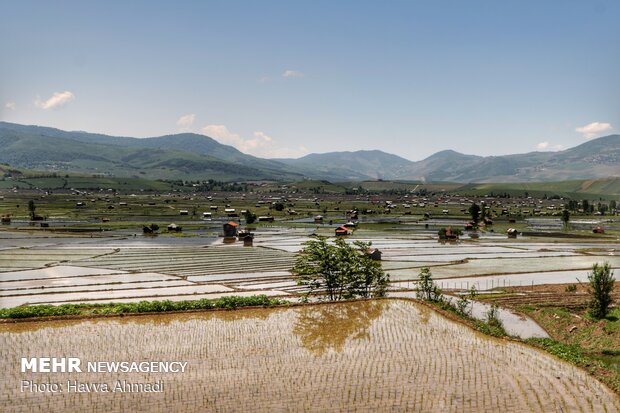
<point x="232" y="233"/>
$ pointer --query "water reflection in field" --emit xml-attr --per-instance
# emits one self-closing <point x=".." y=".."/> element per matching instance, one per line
<point x="388" y="355"/>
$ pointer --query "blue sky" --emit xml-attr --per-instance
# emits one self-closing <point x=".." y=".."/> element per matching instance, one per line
<point x="282" y="78"/>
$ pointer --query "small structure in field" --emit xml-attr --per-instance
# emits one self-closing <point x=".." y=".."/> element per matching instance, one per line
<point x="374" y="254"/>
<point x="174" y="228"/>
<point x="265" y="219"/>
<point x="488" y="221"/>
<point x="5" y="219"/>
<point x="343" y="231"/>
<point x="598" y="230"/>
<point x="350" y="225"/>
<point x="318" y="219"/>
<point x="247" y="237"/>
<point x="230" y="229"/>
<point x="184" y="212"/>
<point x="512" y="233"/>
<point x="206" y="215"/>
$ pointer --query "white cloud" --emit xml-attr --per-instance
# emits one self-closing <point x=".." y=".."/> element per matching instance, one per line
<point x="222" y="134"/>
<point x="593" y="129"/>
<point x="292" y="73"/>
<point x="260" y="144"/>
<point x="546" y="146"/>
<point x="58" y="100"/>
<point x="261" y="137"/>
<point x="264" y="79"/>
<point x="185" y="122"/>
<point x="10" y="105"/>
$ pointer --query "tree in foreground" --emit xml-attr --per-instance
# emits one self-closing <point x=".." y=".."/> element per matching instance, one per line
<point x="340" y="270"/>
<point x="601" y="286"/>
<point x="427" y="289"/>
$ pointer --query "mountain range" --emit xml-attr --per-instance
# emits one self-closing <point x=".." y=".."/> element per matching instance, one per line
<point x="191" y="156"/>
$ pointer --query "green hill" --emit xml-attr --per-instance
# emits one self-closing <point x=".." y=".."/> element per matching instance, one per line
<point x="190" y="156"/>
<point x="158" y="158"/>
<point x="350" y="165"/>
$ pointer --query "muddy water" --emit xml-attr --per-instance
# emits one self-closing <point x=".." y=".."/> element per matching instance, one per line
<point x="388" y="355"/>
<point x="514" y="324"/>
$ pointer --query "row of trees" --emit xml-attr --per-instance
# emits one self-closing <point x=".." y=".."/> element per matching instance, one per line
<point x="590" y="208"/>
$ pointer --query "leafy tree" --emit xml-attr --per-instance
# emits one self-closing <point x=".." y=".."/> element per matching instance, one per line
<point x="565" y="217"/>
<point x="250" y="218"/>
<point x="427" y="289"/>
<point x="455" y="231"/>
<point x="32" y="208"/>
<point x="601" y="285"/>
<point x="585" y="205"/>
<point x="341" y="270"/>
<point x="474" y="211"/>
<point x="572" y="205"/>
<point x="612" y="205"/>
<point x="279" y="206"/>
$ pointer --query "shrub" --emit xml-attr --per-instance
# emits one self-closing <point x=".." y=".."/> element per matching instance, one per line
<point x="464" y="301"/>
<point x="601" y="285"/>
<point x="492" y="317"/>
<point x="427" y="289"/>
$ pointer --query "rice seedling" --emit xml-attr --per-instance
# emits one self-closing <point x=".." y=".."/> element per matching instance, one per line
<point x="387" y="355"/>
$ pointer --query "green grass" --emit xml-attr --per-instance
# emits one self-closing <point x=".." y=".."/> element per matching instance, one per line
<point x="568" y="352"/>
<point x="594" y="345"/>
<point x="230" y="302"/>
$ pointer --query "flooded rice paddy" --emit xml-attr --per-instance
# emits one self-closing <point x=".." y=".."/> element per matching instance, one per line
<point x="58" y="268"/>
<point x="387" y="355"/>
